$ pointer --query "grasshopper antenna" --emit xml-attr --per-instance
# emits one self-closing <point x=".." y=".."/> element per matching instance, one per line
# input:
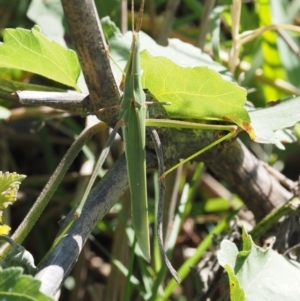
<point x="132" y="15"/>
<point x="140" y="17"/>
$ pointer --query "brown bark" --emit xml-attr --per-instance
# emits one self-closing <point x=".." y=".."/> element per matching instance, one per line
<point x="248" y="177"/>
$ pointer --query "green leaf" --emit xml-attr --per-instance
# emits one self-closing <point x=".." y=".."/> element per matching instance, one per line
<point x="261" y="274"/>
<point x="9" y="186"/>
<point x="179" y="52"/>
<point x="236" y="292"/>
<point x="268" y="123"/>
<point x="31" y="51"/>
<point x="17" y="287"/>
<point x="187" y="55"/>
<point x="194" y="93"/>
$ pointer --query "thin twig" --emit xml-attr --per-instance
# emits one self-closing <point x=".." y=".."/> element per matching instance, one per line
<point x="161" y="168"/>
<point x="285" y="181"/>
<point x="61" y="100"/>
<point x="291" y="249"/>
<point x="290" y="42"/>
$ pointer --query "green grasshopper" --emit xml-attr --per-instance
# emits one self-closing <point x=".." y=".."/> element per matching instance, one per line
<point x="133" y="122"/>
<point x="133" y="112"/>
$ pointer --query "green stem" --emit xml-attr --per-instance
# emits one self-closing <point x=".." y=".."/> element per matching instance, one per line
<point x="273" y="217"/>
<point x="183" y="209"/>
<point x="204" y="149"/>
<point x="202" y="248"/>
<point x="170" y="123"/>
<point x="48" y="191"/>
<point x="97" y="167"/>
